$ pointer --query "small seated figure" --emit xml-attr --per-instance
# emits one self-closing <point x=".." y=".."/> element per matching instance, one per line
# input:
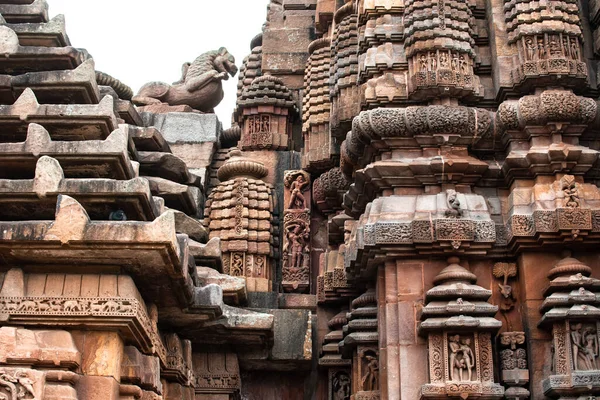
<point x="200" y="87"/>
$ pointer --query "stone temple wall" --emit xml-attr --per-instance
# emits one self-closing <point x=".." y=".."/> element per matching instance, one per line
<point x="406" y="207"/>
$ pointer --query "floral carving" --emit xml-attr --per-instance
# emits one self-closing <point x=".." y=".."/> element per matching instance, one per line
<point x="505" y="271"/>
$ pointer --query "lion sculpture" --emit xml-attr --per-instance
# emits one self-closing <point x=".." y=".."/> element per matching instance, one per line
<point x="200" y="86"/>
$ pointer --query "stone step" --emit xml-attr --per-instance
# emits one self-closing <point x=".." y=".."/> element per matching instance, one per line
<point x="187" y="199"/>
<point x="36" y="198"/>
<point x="167" y="166"/>
<point x="107" y="158"/>
<point x="63" y="122"/>
<point x="18" y="59"/>
<point x="24" y="11"/>
<point x="46" y="34"/>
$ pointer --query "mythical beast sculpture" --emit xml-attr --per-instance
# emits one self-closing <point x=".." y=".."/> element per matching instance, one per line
<point x="200" y="86"/>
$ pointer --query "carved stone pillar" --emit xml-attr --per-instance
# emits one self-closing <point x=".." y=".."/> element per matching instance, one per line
<point x="344" y="92"/>
<point x="265" y="112"/>
<point x="178" y="368"/>
<point x="338" y="368"/>
<point x="296" y="232"/>
<point x="240" y="212"/>
<point x="217" y="376"/>
<point x="382" y="59"/>
<point x="513" y="363"/>
<point x="361" y="345"/>
<point x="319" y="149"/>
<point x="570" y="311"/>
<point x="459" y="324"/>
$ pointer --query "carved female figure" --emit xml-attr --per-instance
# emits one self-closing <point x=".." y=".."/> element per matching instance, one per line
<point x="530" y="49"/>
<point x="565" y="46"/>
<point x="464" y="64"/>
<point x="296" y="240"/>
<point x="576" y="345"/>
<point x="467" y="357"/>
<point x="423" y="63"/>
<point x="443" y="60"/>
<point x="455" y="364"/>
<point x="574" y="49"/>
<point x="371" y="379"/>
<point x="265" y="123"/>
<point x="590" y="343"/>
<point x="433" y="61"/>
<point x="454" y="62"/>
<point x="541" y="49"/>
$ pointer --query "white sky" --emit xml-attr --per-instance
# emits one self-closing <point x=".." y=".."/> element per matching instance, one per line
<point x="139" y="41"/>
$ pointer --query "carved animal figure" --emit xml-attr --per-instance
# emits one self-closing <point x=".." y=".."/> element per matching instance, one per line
<point x="28" y="305"/>
<point x="110" y="306"/>
<point x="126" y="308"/>
<point x="200" y="86"/>
<point x="72" y="305"/>
<point x="96" y="307"/>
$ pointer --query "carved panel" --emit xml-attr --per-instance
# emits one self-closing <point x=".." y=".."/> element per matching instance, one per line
<point x="340" y="384"/>
<point x="296" y="231"/>
<point x="21" y="384"/>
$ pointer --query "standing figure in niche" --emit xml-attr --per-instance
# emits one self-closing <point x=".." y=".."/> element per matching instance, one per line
<point x="297" y="200"/>
<point x="541" y="49"/>
<point x="455" y="363"/>
<point x="565" y="46"/>
<point x="530" y="49"/>
<point x="574" y="49"/>
<point x="265" y="124"/>
<point x="433" y="61"/>
<point x="590" y="344"/>
<point x="423" y="63"/>
<point x="443" y="60"/>
<point x="464" y="64"/>
<point x="257" y="127"/>
<point x="576" y="345"/>
<point x="296" y="244"/>
<point x="467" y="357"/>
<point x="454" y="62"/>
<point x="370" y="381"/>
